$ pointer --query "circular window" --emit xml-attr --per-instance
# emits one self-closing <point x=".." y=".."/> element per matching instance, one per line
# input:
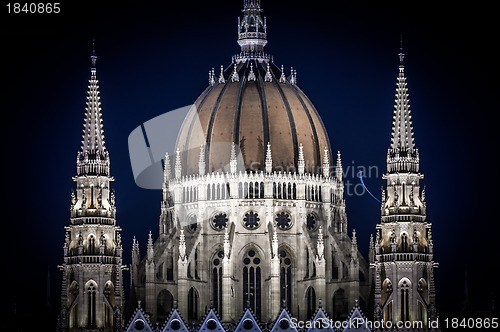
<point x="220" y="254"/>
<point x="251" y="220"/>
<point x="216" y="261"/>
<point x="175" y="324"/>
<point x="283" y="220"/>
<point x="247" y="324"/>
<point x="284" y="324"/>
<point x="211" y="324"/>
<point x="246" y="260"/>
<point x="139" y="325"/>
<point x="219" y="221"/>
<point x="311" y="221"/>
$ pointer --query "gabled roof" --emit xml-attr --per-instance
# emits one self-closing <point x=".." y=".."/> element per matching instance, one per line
<point x="139" y="322"/>
<point x="321" y="322"/>
<point x="284" y="322"/>
<point x="248" y="323"/>
<point x="356" y="321"/>
<point x="175" y="323"/>
<point x="211" y="323"/>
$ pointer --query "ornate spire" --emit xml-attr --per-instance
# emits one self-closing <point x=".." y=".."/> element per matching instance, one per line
<point x="233" y="163"/>
<point x="182" y="246"/>
<point x="301" y="163"/>
<point x="320" y="245"/>
<point x="402" y="141"/>
<point x="211" y="77"/>
<point x="227" y="245"/>
<point x="251" y="75"/>
<point x="221" y="76"/>
<point x="268" y="77"/>
<point x="326" y="164"/>
<point x="282" y="76"/>
<point x="166" y="168"/>
<point x="178" y="166"/>
<point x="201" y="163"/>
<point x="293" y="77"/>
<point x="275" y="243"/>
<point x="252" y="29"/>
<point x="269" y="159"/>
<point x="235" y="77"/>
<point x="338" y="167"/>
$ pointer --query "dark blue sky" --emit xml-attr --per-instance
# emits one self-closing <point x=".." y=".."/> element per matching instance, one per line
<point x="154" y="57"/>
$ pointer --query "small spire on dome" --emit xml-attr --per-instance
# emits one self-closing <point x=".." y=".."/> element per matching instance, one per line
<point x="293" y="77"/>
<point x="211" y="77"/>
<point x="269" y="159"/>
<point x="282" y="77"/>
<point x="221" y="76"/>
<point x="178" y="165"/>
<point x="233" y="161"/>
<point x="201" y="163"/>
<point x="326" y="164"/>
<point x="235" y="77"/>
<point x="268" y="77"/>
<point x="301" y="163"/>
<point x="251" y="75"/>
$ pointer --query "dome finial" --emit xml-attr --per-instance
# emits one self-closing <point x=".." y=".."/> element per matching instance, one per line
<point x="252" y="29"/>
<point x="269" y="159"/>
<point x="401" y="54"/>
<point x="282" y="77"/>
<point x="235" y="77"/>
<point x="221" y="76"/>
<point x="93" y="57"/>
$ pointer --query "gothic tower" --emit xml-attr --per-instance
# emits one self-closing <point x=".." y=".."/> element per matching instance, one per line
<point x="401" y="258"/>
<point x="92" y="290"/>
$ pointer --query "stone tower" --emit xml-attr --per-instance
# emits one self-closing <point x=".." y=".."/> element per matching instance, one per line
<point x="401" y="257"/>
<point x="252" y="213"/>
<point x="92" y="287"/>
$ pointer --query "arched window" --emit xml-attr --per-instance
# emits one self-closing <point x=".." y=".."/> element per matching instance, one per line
<point x="340" y="304"/>
<point x="109" y="293"/>
<point x="261" y="190"/>
<point x="404" y="286"/>
<point x="404" y="242"/>
<point x="217" y="281"/>
<point x="285" y="278"/>
<point x="164" y="304"/>
<point x="240" y="190"/>
<point x="250" y="190"/>
<point x="91" y="291"/>
<point x="274" y="190"/>
<point x="170" y="266"/>
<point x="73" y="293"/>
<point x="294" y="191"/>
<point x="252" y="282"/>
<point x="310" y="302"/>
<point x="91" y="245"/>
<point x="193" y="304"/>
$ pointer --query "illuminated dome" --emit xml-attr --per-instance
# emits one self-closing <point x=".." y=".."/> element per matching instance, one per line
<point x="252" y="112"/>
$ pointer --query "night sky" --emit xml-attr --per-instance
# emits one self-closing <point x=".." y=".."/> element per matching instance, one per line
<point x="154" y="57"/>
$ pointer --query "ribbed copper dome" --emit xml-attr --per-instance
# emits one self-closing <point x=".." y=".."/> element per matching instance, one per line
<point x="251" y="112"/>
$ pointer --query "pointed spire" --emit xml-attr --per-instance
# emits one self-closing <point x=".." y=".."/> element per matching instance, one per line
<point x="301" y="163"/>
<point x="338" y="167"/>
<point x="201" y="163"/>
<point x="371" y="250"/>
<point x="93" y="157"/>
<point x="402" y="129"/>
<point x="233" y="161"/>
<point x="251" y="75"/>
<point x="182" y="246"/>
<point x="211" y="77"/>
<point x="227" y="245"/>
<point x="234" y="76"/>
<point x="320" y="246"/>
<point x="326" y="163"/>
<point x="269" y="159"/>
<point x="293" y="77"/>
<point x="93" y="57"/>
<point x="149" y="248"/>
<point x="268" y="77"/>
<point x="166" y="168"/>
<point x="221" y="76"/>
<point x="282" y="76"/>
<point x="354" y="246"/>
<point x="274" y="243"/>
<point x="178" y="166"/>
